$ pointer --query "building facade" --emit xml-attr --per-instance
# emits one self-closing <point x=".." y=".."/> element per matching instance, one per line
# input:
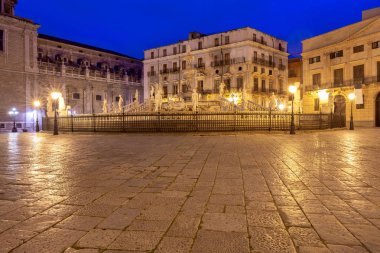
<point x="344" y="61"/>
<point x="242" y="59"/>
<point x="33" y="65"/>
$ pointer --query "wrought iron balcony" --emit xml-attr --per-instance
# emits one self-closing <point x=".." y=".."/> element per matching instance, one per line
<point x="152" y="73"/>
<point x="227" y="62"/>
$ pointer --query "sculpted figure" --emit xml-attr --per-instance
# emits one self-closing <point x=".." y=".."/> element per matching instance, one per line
<point x="222" y="86"/>
<point x="121" y="103"/>
<point x="105" y="106"/>
<point x="195" y="99"/>
<point x="158" y="100"/>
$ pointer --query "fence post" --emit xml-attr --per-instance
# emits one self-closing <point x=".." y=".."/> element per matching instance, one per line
<point x="159" y="122"/>
<point x="196" y="121"/>
<point x="270" y="119"/>
<point x="72" y="123"/>
<point x="93" y="122"/>
<point x="235" y="115"/>
<point x="331" y="120"/>
<point x="320" y="119"/>
<point x="123" y="120"/>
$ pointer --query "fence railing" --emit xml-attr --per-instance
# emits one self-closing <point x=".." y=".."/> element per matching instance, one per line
<point x="193" y="122"/>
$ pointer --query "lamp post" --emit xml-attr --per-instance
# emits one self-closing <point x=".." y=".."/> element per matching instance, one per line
<point x="292" y="90"/>
<point x="37" y="105"/>
<point x="13" y="113"/>
<point x="351" y="97"/>
<point x="55" y="96"/>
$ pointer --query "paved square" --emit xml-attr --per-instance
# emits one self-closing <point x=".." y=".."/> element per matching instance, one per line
<point x="244" y="192"/>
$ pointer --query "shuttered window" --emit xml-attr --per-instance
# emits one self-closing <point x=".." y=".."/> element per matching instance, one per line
<point x="1" y="40"/>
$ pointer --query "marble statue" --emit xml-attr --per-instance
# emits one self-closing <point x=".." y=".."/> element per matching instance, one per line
<point x="222" y="86"/>
<point x="61" y="104"/>
<point x="158" y="100"/>
<point x="137" y="96"/>
<point x="105" y="106"/>
<point x="273" y="101"/>
<point x="121" y="103"/>
<point x="151" y="92"/>
<point x="195" y="99"/>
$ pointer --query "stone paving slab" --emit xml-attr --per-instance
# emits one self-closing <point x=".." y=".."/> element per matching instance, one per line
<point x="313" y="192"/>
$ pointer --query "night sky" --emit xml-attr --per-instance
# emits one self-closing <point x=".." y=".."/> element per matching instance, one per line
<point x="130" y="27"/>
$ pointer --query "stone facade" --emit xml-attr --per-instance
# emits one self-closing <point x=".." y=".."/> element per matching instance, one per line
<point x="242" y="59"/>
<point x="343" y="61"/>
<point x="33" y="65"/>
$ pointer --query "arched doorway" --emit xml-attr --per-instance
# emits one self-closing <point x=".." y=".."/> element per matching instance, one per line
<point x="378" y="110"/>
<point x="339" y="105"/>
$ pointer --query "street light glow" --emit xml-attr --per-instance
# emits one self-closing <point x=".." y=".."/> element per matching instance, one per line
<point x="292" y="89"/>
<point x="55" y="95"/>
<point x="323" y="95"/>
<point x="281" y="107"/>
<point x="351" y="96"/>
<point x="37" y="103"/>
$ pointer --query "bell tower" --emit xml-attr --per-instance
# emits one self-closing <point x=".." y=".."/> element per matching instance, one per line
<point x="7" y="7"/>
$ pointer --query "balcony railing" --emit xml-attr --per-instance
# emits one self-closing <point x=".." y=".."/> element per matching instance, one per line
<point x="225" y="62"/>
<point x="200" y="66"/>
<point x="263" y="62"/>
<point x="152" y="73"/>
<point x="346" y="83"/>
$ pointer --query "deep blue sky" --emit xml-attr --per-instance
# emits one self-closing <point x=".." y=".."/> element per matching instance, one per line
<point x="130" y="27"/>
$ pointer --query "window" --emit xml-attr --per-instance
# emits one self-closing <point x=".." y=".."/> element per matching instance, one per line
<point x="280" y="47"/>
<point x="152" y="55"/>
<point x="184" y="88"/>
<point x="183" y="64"/>
<point x="360" y="106"/>
<point x="174" y="50"/>
<point x="164" y="52"/>
<point x="338" y="77"/>
<point x="199" y="45"/>
<point x="262" y="40"/>
<point x="255" y="56"/>
<point x="255" y="84"/>
<point x="175" y="66"/>
<point x="183" y="48"/>
<point x="216" y="85"/>
<point x="2" y="125"/>
<point x="151" y="69"/>
<point x="98" y="97"/>
<point x="316" y="104"/>
<point x="175" y="89"/>
<point x="281" y="84"/>
<point x="165" y="88"/>
<point x="378" y="71"/>
<point x="263" y="87"/>
<point x="270" y="72"/>
<point x="117" y="99"/>
<point x="314" y="59"/>
<point x="263" y="57"/>
<point x="239" y="83"/>
<point x="270" y="60"/>
<point x="262" y="70"/>
<point x="200" y="62"/>
<point x="358" y="49"/>
<point x="227" y="40"/>
<point x="317" y="79"/>
<point x="227" y="58"/>
<point x="358" y="74"/>
<point x="200" y="86"/>
<point x="336" y="54"/>
<point x="375" y="44"/>
<point x="227" y="82"/>
<point x="1" y="40"/>
<point x="255" y="69"/>
<point x="76" y="95"/>
<point x="254" y="37"/>
<point x="216" y="42"/>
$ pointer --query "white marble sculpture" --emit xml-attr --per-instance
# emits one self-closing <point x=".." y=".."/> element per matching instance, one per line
<point x="61" y="104"/>
<point x="151" y="92"/>
<point x="158" y="100"/>
<point x="273" y="101"/>
<point x="195" y="99"/>
<point x="105" y="106"/>
<point x="121" y="103"/>
<point x="222" y="86"/>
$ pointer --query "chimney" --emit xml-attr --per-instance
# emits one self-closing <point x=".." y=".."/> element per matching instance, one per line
<point x="367" y="14"/>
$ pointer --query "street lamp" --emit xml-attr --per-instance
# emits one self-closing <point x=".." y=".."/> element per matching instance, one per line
<point x="281" y="107"/>
<point x="37" y="105"/>
<point x="13" y="113"/>
<point x="55" y="96"/>
<point x="351" y="97"/>
<point x="292" y="90"/>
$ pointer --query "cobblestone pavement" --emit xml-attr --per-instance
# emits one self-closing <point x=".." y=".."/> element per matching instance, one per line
<point x="268" y="193"/>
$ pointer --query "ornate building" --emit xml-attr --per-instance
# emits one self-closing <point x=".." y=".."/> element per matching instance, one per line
<point x="344" y="61"/>
<point x="33" y="65"/>
<point x="240" y="59"/>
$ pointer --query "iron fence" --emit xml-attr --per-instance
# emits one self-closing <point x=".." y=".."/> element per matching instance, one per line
<point x="194" y="122"/>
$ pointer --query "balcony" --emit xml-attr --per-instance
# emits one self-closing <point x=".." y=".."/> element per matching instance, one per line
<point x="152" y="73"/>
<point x="164" y="71"/>
<point x="263" y="62"/>
<point x="346" y="83"/>
<point x="227" y="62"/>
<point x="200" y="66"/>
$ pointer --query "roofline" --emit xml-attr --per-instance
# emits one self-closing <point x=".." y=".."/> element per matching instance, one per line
<point x="77" y="44"/>
<point x="340" y="28"/>
<point x="19" y="18"/>
<point x="206" y="35"/>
